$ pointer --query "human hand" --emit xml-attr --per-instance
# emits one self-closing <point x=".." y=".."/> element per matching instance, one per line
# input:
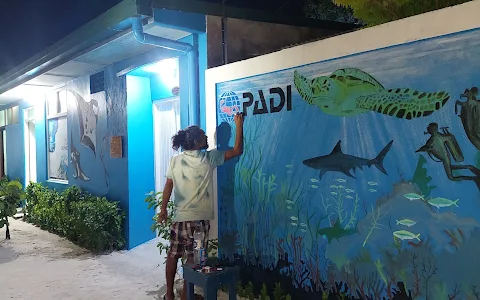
<point x="238" y="119"/>
<point x="162" y="216"/>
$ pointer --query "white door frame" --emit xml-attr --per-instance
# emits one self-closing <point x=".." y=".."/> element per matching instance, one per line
<point x="159" y="178"/>
<point x="30" y="167"/>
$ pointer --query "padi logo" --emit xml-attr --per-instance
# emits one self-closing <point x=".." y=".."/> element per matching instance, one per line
<point x="278" y="99"/>
<point x="229" y="105"/>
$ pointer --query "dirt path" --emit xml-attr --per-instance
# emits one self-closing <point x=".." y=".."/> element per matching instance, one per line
<point x="36" y="264"/>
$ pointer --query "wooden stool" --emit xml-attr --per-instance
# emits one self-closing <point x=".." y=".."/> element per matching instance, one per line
<point x="211" y="282"/>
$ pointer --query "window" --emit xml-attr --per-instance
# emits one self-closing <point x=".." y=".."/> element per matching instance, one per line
<point x="12" y="115"/>
<point x="57" y="135"/>
<point x="9" y="116"/>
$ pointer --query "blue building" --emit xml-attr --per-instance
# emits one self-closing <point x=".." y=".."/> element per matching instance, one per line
<point x="98" y="108"/>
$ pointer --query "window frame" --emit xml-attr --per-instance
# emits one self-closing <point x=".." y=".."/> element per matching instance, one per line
<point x="55" y="116"/>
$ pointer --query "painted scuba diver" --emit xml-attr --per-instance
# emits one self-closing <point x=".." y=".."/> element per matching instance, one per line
<point x="350" y="91"/>
<point x="470" y="115"/>
<point x="440" y="146"/>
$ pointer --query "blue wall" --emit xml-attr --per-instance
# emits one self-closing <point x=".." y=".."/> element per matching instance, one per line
<point x="14" y="143"/>
<point x="104" y="176"/>
<point x="16" y="149"/>
<point x="160" y="89"/>
<point x="184" y="86"/>
<point x="141" y="160"/>
<point x="196" y="24"/>
<point x="123" y="109"/>
<point x="202" y="66"/>
<point x="357" y="218"/>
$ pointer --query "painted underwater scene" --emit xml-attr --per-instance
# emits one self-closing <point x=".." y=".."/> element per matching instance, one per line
<point x="360" y="177"/>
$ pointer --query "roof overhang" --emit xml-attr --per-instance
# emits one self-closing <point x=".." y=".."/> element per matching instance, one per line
<point x="108" y="39"/>
<point x="82" y="53"/>
<point x="249" y="10"/>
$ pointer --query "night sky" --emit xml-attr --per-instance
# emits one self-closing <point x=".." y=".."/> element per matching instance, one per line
<point x="29" y="26"/>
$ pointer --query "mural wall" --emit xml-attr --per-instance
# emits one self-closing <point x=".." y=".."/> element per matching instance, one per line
<point x="93" y="118"/>
<point x="360" y="175"/>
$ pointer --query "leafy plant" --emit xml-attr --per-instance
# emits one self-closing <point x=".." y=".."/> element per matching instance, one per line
<point x="92" y="222"/>
<point x="279" y="294"/>
<point x="246" y="291"/>
<point x="154" y="200"/>
<point x="264" y="293"/>
<point x="11" y="194"/>
<point x="330" y="11"/>
<point x="375" y="12"/>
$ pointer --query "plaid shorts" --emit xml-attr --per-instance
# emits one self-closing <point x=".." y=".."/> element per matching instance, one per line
<point x="181" y="238"/>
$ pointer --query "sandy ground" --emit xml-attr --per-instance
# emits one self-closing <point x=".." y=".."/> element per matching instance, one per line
<point x="36" y="264"/>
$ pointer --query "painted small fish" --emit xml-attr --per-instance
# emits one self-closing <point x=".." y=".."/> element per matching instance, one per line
<point x="289" y="166"/>
<point x="406" y="222"/>
<point x="314" y="186"/>
<point x="313" y="179"/>
<point x="349" y="191"/>
<point x="340" y="187"/>
<point x="372" y="183"/>
<point x="372" y="190"/>
<point x="289" y="207"/>
<point x="290" y="202"/>
<point x="303" y="230"/>
<point x="333" y="193"/>
<point x="334" y="187"/>
<point x="293" y="224"/>
<point x="341" y="180"/>
<point x="303" y="224"/>
<point x="406" y="235"/>
<point x="442" y="202"/>
<point x="293" y="218"/>
<point x="413" y="196"/>
<point x="349" y="197"/>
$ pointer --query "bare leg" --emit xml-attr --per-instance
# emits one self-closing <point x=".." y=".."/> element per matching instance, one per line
<point x="184" y="291"/>
<point x="171" y="271"/>
<point x="461" y="177"/>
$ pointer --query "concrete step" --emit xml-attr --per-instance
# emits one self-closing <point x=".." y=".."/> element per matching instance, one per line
<point x="19" y="213"/>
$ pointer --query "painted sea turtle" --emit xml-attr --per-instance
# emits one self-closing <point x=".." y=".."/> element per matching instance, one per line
<point x="470" y="115"/>
<point x="350" y="91"/>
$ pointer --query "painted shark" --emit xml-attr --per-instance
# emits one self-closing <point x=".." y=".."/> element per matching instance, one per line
<point x="336" y="231"/>
<point x="337" y="161"/>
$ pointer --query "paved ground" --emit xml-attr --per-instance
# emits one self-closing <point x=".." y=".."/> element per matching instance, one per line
<point x="35" y="264"/>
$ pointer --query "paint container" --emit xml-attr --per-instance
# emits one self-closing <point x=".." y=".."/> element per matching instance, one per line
<point x="207" y="269"/>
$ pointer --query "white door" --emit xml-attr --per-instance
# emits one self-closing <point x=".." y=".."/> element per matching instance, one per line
<point x="166" y="122"/>
<point x="30" y="146"/>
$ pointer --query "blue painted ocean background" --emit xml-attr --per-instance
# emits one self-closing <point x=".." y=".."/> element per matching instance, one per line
<point x="448" y="63"/>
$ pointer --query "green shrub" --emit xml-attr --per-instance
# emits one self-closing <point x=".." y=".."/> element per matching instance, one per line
<point x="91" y="222"/>
<point x="11" y="194"/>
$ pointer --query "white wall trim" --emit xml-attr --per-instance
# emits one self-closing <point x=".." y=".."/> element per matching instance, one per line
<point x="433" y="24"/>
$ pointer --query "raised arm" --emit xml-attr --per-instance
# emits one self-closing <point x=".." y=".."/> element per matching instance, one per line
<point x="238" y="147"/>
